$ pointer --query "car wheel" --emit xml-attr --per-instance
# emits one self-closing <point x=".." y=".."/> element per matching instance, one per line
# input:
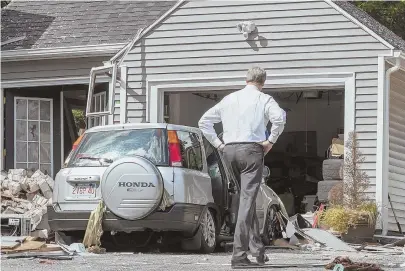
<point x="208" y="232"/>
<point x="271" y="228"/>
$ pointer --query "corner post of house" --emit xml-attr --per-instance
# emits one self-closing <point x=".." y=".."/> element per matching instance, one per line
<point x="2" y="103"/>
<point x="382" y="156"/>
<point x="152" y="101"/>
<point x="123" y="94"/>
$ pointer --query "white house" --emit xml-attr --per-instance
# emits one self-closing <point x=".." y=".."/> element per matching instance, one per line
<point x="332" y="66"/>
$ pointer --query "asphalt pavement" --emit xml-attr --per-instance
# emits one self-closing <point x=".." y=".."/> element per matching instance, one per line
<point x="193" y="262"/>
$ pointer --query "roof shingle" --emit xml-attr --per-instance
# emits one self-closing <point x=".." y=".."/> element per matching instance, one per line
<point x="50" y="23"/>
<point x="53" y="23"/>
<point x="371" y="23"/>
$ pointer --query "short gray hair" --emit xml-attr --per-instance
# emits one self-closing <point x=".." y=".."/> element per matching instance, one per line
<point x="256" y="75"/>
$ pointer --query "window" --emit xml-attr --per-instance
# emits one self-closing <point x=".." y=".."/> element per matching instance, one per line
<point x="213" y="162"/>
<point x="98" y="104"/>
<point x="33" y="134"/>
<point x="104" y="147"/>
<point x="190" y="150"/>
<point x="95" y="107"/>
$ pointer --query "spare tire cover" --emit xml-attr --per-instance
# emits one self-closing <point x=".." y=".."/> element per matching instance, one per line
<point x="132" y="188"/>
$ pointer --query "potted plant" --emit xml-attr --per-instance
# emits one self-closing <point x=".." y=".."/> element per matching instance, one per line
<point x="350" y="212"/>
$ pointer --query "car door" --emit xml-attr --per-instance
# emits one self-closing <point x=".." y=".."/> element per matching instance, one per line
<point x="218" y="174"/>
<point x="231" y="189"/>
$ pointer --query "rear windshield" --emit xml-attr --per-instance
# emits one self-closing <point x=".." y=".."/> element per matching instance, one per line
<point x="102" y="148"/>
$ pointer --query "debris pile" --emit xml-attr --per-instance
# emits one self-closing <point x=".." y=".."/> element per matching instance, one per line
<point x="32" y="247"/>
<point x="26" y="193"/>
<point x="344" y="263"/>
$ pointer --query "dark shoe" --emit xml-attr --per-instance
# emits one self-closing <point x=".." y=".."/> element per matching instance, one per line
<point x="261" y="260"/>
<point x="241" y="263"/>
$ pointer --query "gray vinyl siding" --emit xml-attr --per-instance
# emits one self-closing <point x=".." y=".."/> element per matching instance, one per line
<point x="396" y="168"/>
<point x="50" y="68"/>
<point x="293" y="37"/>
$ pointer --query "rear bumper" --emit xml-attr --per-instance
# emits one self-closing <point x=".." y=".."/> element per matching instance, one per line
<point x="181" y="217"/>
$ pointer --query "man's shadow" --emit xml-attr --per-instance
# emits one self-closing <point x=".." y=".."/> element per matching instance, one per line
<point x="255" y="39"/>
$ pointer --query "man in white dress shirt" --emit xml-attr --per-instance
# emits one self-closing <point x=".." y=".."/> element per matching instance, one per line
<point x="244" y="115"/>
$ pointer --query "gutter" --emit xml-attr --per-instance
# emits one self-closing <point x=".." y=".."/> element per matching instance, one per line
<point x="60" y="52"/>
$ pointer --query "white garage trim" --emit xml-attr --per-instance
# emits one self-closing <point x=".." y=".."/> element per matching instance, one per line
<point x="2" y="129"/>
<point x="157" y="88"/>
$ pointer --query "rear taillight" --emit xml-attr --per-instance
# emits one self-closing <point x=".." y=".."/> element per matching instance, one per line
<point x="174" y="149"/>
<point x="77" y="142"/>
<point x="74" y="147"/>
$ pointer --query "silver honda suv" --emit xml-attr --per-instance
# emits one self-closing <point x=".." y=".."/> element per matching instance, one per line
<point x="154" y="178"/>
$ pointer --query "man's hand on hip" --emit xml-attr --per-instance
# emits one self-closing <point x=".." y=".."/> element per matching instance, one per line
<point x="267" y="145"/>
<point x="221" y="147"/>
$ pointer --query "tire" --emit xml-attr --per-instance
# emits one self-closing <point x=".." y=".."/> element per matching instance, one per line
<point x="324" y="187"/>
<point x="332" y="169"/>
<point x="271" y="228"/>
<point x="208" y="232"/>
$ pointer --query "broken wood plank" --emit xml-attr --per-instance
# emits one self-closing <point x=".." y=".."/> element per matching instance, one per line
<point x="29" y="246"/>
<point x="10" y="242"/>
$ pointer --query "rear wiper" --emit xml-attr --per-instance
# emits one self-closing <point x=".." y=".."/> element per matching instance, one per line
<point x="106" y="160"/>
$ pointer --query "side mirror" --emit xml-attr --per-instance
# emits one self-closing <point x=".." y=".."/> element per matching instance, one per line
<point x="266" y="172"/>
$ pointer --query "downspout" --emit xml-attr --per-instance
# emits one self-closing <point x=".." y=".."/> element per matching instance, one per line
<point x="385" y="191"/>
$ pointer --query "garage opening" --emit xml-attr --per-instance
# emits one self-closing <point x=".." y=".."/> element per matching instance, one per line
<point x="314" y="118"/>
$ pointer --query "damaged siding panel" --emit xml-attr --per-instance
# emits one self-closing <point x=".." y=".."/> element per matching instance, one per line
<point x="293" y="37"/>
<point x="396" y="168"/>
<point x="38" y="69"/>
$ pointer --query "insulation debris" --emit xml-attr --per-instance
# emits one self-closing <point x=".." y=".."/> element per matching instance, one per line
<point x="26" y="193"/>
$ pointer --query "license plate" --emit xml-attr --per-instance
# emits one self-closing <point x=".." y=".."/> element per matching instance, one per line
<point x="83" y="191"/>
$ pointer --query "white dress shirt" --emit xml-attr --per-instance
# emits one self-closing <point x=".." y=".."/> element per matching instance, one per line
<point x="244" y="115"/>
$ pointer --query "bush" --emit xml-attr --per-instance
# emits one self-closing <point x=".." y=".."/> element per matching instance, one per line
<point x="349" y="205"/>
<point x="80" y="119"/>
<point x="341" y="218"/>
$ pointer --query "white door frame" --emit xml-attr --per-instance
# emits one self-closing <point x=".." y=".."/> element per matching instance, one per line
<point x="51" y="130"/>
<point x="157" y="88"/>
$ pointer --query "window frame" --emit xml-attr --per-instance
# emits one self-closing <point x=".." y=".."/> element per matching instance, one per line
<point x="102" y="120"/>
<point x="51" y="133"/>
<point x="113" y="68"/>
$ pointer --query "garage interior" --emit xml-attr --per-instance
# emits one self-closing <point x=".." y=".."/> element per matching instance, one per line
<point x="314" y="118"/>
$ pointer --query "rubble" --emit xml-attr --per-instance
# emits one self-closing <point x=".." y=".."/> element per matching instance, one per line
<point x="344" y="263"/>
<point x="29" y="247"/>
<point x="26" y="193"/>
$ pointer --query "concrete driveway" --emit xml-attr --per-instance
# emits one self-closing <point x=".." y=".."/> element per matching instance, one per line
<point x="191" y="262"/>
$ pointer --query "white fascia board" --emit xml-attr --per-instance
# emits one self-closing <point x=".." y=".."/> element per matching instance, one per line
<point x="357" y="22"/>
<point x="50" y="82"/>
<point x="60" y="52"/>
